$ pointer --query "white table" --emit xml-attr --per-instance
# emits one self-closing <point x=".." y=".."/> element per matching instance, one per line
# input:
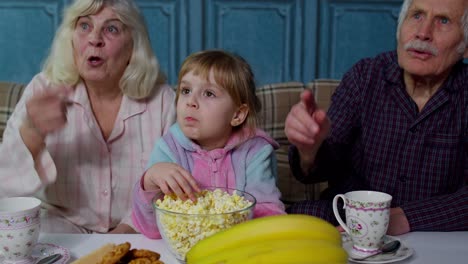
<point x="82" y="244"/>
<point x="437" y="247"/>
<point x="429" y="247"/>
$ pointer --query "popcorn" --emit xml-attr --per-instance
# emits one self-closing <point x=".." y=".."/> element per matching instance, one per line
<point x="187" y="222"/>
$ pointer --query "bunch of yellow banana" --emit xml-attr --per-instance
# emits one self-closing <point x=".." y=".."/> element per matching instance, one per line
<point x="272" y="239"/>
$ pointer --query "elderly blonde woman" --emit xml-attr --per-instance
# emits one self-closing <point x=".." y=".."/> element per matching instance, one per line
<point x="80" y="136"/>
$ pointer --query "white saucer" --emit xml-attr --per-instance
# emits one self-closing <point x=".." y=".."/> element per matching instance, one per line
<point x="42" y="250"/>
<point x="402" y="253"/>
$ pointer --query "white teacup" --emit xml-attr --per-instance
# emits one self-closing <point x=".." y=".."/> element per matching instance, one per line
<point x="19" y="228"/>
<point x="367" y="218"/>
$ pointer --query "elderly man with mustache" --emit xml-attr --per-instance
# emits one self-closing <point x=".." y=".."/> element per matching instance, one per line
<point x="398" y="123"/>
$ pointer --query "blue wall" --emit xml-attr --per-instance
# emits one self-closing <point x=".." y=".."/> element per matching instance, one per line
<point x="283" y="40"/>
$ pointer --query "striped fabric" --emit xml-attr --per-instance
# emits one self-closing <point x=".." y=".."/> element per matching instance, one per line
<point x="10" y="94"/>
<point x="277" y="99"/>
<point x="89" y="179"/>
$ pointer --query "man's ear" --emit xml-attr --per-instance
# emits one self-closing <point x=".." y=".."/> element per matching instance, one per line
<point x="240" y="115"/>
<point x="465" y="55"/>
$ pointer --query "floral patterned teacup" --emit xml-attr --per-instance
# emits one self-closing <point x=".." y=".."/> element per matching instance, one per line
<point x="19" y="228"/>
<point x="367" y="218"/>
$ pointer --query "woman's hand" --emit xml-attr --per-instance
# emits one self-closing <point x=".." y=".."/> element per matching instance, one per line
<point x="46" y="112"/>
<point x="170" y="178"/>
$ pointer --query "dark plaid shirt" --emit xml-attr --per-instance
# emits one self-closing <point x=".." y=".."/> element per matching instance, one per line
<point x="380" y="141"/>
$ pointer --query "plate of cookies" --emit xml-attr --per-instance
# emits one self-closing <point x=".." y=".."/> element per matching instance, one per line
<point x="120" y="254"/>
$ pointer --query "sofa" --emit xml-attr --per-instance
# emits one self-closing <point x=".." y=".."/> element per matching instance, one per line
<point x="277" y="99"/>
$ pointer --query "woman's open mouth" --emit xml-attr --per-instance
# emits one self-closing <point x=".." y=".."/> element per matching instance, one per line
<point x="95" y="61"/>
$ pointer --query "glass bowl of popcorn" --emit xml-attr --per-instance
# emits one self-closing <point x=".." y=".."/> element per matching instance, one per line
<point x="184" y="223"/>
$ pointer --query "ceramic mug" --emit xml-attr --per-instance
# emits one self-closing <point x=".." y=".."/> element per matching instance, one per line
<point x="367" y="218"/>
<point x="19" y="228"/>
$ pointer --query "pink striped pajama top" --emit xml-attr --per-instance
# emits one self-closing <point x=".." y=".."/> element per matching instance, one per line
<point x="85" y="181"/>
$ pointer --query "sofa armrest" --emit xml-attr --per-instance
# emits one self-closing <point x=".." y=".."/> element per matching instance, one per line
<point x="10" y="93"/>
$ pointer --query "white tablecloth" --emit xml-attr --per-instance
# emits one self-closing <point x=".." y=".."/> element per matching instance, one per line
<point x="80" y="245"/>
<point x="437" y="247"/>
<point x="429" y="247"/>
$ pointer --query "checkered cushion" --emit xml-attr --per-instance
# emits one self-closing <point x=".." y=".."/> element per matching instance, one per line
<point x="277" y="100"/>
<point x="10" y="94"/>
<point x="323" y="90"/>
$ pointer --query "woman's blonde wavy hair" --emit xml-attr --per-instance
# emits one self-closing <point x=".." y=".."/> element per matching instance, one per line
<point x="142" y="73"/>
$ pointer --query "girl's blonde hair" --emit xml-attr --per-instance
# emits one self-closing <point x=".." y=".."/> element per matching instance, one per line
<point x="142" y="73"/>
<point x="232" y="73"/>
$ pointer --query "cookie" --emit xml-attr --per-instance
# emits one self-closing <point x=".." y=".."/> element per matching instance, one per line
<point x="145" y="261"/>
<point x="96" y="255"/>
<point x="144" y="253"/>
<point x="114" y="256"/>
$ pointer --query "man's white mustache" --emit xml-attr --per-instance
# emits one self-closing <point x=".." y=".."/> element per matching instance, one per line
<point x="421" y="46"/>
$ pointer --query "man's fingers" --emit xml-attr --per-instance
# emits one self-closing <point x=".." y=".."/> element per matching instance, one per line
<point x="308" y="100"/>
<point x="320" y="116"/>
<point x="301" y="119"/>
<point x="303" y="139"/>
<point x="340" y="229"/>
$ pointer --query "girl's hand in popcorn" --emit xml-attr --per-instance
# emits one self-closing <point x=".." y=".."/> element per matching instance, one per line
<point x="171" y="178"/>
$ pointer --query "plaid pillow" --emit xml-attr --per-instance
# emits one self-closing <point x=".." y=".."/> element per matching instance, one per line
<point x="277" y="100"/>
<point x="323" y="90"/>
<point x="10" y="94"/>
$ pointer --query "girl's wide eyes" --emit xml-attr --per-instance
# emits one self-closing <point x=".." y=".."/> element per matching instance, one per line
<point x="188" y="90"/>
<point x="209" y="94"/>
<point x="184" y="91"/>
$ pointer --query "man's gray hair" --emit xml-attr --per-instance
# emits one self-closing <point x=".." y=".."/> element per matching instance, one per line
<point x="465" y="25"/>
<point x="404" y="11"/>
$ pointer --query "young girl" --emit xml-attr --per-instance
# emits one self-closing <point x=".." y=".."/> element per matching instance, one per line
<point x="215" y="141"/>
